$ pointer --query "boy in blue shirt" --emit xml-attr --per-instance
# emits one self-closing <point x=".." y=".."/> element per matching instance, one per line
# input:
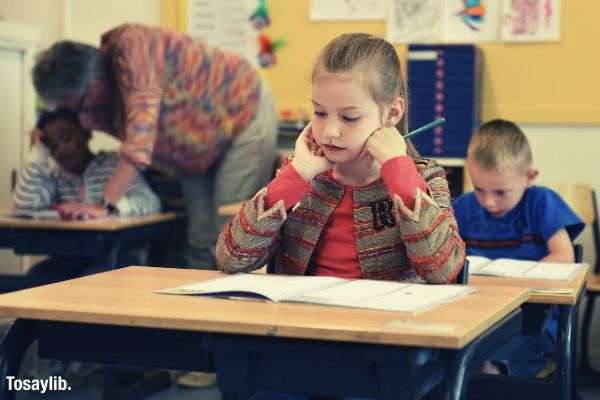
<point x="507" y="216"/>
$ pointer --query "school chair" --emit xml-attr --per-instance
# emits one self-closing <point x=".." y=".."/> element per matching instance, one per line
<point x="578" y="252"/>
<point x="463" y="275"/>
<point x="582" y="199"/>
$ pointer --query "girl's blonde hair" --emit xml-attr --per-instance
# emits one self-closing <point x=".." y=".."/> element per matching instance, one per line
<point x="376" y="62"/>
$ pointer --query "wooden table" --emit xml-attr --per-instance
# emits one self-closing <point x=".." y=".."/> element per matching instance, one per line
<point x="541" y="292"/>
<point x="103" y="224"/>
<point x="85" y="239"/>
<point x="103" y="241"/>
<point x="593" y="283"/>
<point x="114" y="317"/>
<point x="593" y="291"/>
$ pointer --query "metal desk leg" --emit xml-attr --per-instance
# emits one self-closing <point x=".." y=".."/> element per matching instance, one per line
<point x="15" y="340"/>
<point x="586" y="365"/>
<point x="565" y="358"/>
<point x="114" y="251"/>
<point x="464" y="361"/>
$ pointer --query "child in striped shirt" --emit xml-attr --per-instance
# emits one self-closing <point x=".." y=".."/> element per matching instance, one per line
<point x="64" y="174"/>
<point x="72" y="179"/>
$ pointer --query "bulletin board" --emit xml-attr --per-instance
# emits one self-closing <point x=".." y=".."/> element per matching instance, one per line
<point x="535" y="83"/>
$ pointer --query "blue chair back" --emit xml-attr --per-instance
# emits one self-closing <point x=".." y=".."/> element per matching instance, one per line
<point x="578" y="251"/>
<point x="582" y="199"/>
<point x="463" y="276"/>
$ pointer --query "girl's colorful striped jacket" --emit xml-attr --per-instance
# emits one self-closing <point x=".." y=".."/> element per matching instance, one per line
<point x="393" y="242"/>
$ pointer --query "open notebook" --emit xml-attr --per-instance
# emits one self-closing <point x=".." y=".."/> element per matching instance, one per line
<point x="34" y="214"/>
<point x="360" y="293"/>
<point x="508" y="267"/>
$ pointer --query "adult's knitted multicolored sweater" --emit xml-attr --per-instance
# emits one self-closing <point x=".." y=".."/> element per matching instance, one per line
<point x="393" y="241"/>
<point x="179" y="102"/>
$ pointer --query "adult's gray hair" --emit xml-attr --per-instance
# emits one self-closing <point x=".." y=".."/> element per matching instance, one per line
<point x="65" y="70"/>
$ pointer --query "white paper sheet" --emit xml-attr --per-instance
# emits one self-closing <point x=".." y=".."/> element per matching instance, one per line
<point x="347" y="10"/>
<point x="530" y="20"/>
<point x="358" y="290"/>
<point x="34" y="214"/>
<point x="273" y="287"/>
<point x="225" y="24"/>
<point x="460" y="26"/>
<point x="371" y="294"/>
<point x="512" y="268"/>
<point x="559" y="271"/>
<point x="414" y="21"/>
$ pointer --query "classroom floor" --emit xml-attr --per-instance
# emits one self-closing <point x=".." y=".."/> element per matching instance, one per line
<point x="90" y="389"/>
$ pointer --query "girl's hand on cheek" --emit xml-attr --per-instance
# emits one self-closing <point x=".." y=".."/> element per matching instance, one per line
<point x="386" y="143"/>
<point x="309" y="159"/>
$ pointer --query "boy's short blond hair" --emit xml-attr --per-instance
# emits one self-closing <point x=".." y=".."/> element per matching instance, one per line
<point x="499" y="144"/>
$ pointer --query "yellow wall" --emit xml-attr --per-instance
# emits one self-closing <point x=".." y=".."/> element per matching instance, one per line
<point x="530" y="83"/>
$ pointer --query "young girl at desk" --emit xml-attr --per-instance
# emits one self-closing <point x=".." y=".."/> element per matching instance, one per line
<point x="356" y="200"/>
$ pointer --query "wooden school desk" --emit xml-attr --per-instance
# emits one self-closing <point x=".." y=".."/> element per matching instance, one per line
<point x="80" y="238"/>
<point x="594" y="283"/>
<point x="115" y="318"/>
<point x="540" y="291"/>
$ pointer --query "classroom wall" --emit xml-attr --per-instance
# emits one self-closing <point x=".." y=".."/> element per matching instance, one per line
<point x="552" y="82"/>
<point x="567" y="154"/>
<point x="46" y="15"/>
<point x="81" y="20"/>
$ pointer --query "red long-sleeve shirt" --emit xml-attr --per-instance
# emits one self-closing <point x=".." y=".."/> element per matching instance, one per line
<point x="336" y="253"/>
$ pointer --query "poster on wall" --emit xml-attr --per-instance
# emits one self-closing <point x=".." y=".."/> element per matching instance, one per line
<point x="344" y="10"/>
<point x="414" y="21"/>
<point x="225" y="24"/>
<point x="530" y="20"/>
<point x="469" y="21"/>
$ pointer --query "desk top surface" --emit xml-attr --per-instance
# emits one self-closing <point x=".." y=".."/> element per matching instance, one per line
<point x="544" y="291"/>
<point x="104" y="224"/>
<point x="593" y="283"/>
<point x="125" y="297"/>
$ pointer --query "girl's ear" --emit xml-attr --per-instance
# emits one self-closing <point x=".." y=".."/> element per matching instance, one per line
<point x="395" y="111"/>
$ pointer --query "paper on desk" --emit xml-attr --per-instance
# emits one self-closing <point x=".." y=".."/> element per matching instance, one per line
<point x="512" y="268"/>
<point x="358" y="290"/>
<point x="546" y="270"/>
<point x="34" y="214"/>
<point x="360" y="293"/>
<point x="387" y="296"/>
<point x="272" y="287"/>
<point x="507" y="267"/>
<point x="476" y="263"/>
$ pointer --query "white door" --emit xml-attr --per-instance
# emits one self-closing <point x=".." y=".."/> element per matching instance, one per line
<point x="11" y="62"/>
